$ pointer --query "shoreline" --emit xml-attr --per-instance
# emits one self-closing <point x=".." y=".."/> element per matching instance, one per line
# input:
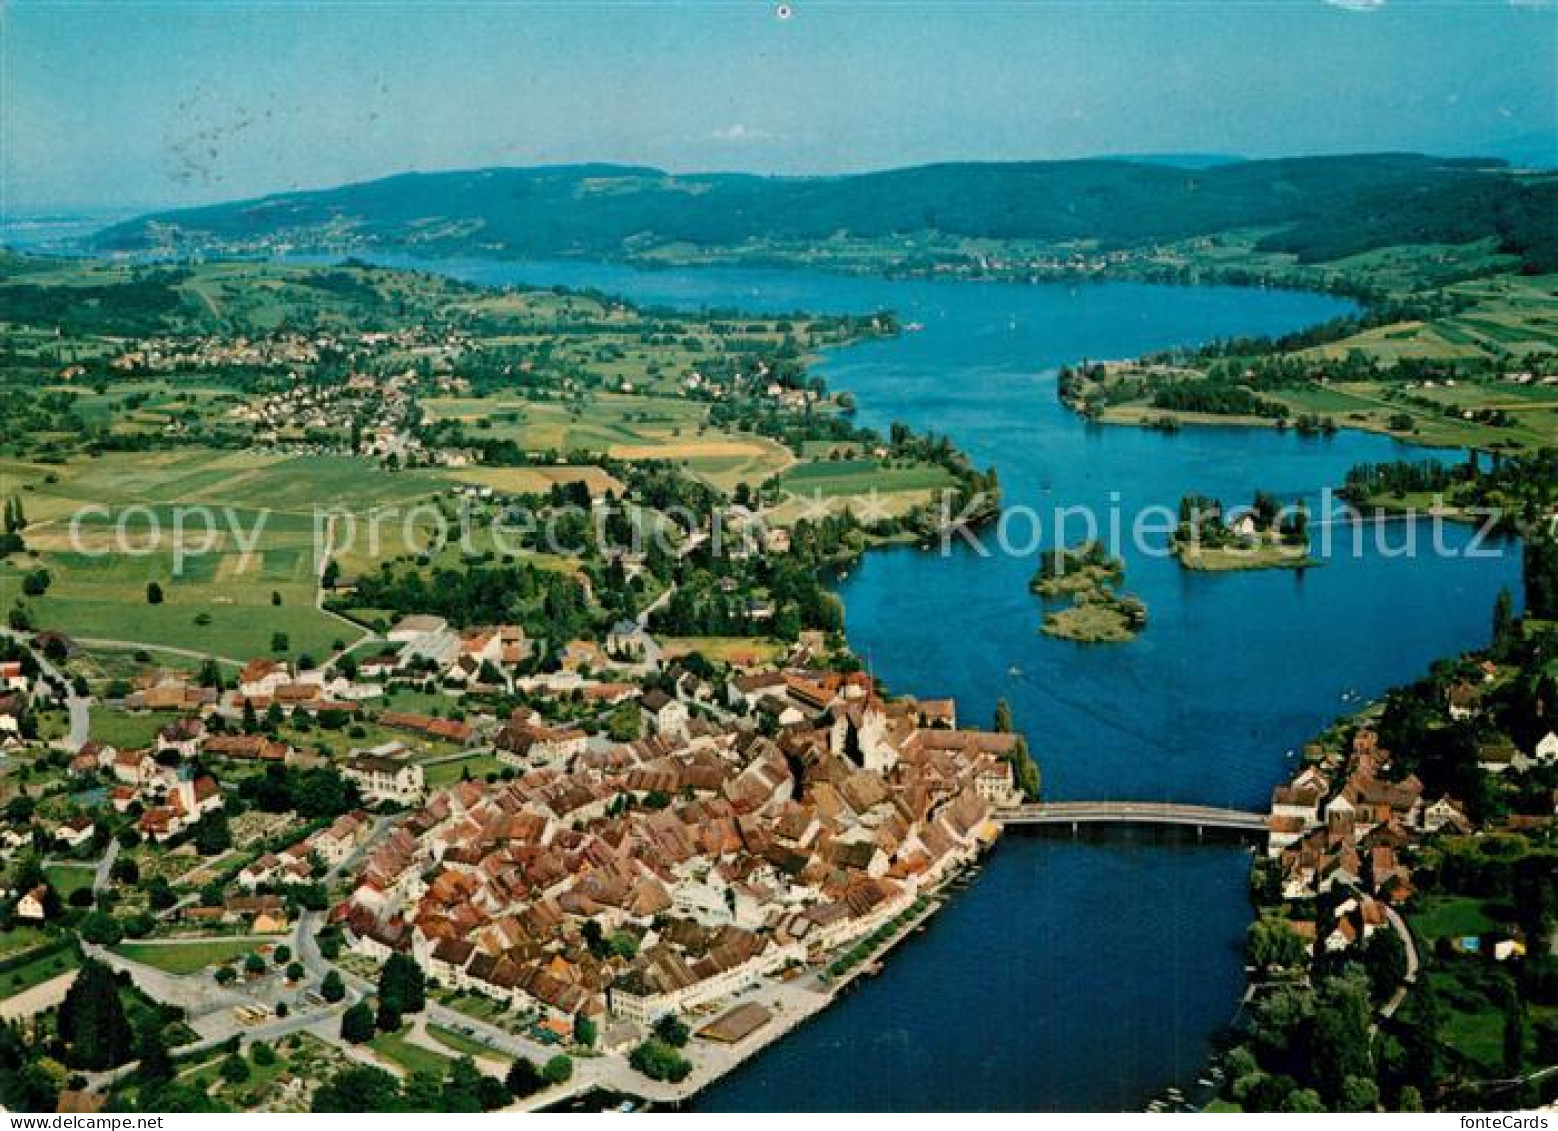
<point x="663" y="1094"/>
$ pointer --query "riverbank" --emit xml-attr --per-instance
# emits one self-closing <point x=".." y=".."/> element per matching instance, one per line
<point x="790" y="1005"/>
<point x="1264" y="554"/>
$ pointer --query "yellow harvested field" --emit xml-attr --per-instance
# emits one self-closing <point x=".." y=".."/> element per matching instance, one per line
<point x="527" y="480"/>
<point x="691" y="449"/>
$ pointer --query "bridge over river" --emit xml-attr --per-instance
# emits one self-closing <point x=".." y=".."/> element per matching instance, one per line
<point x="1075" y="813"/>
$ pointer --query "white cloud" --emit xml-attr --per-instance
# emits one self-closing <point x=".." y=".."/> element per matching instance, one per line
<point x="740" y="132"/>
<point x="1357" y="5"/>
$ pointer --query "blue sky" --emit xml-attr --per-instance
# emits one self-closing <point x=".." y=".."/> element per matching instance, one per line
<point x="148" y="103"/>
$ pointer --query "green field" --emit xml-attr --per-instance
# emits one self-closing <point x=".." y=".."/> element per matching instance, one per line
<point x="126" y="731"/>
<point x="186" y="958"/>
<point x="445" y="774"/>
<point x="413" y="1058"/>
<point x="20" y="938"/>
<point x="1440" y="918"/>
<point x="66" y="879"/>
<point x="461" y="1044"/>
<point x="48" y="964"/>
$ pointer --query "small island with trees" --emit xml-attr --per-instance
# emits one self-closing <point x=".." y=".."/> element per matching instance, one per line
<point x="1263" y="535"/>
<point x="1090" y="578"/>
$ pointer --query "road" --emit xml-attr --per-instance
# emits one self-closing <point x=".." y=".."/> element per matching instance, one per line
<point x="1132" y="813"/>
<point x="35" y="999"/>
<point x="1398" y="924"/>
<point x="78" y="707"/>
<point x="198" y="995"/>
<point x="105" y="867"/>
<point x="322" y="563"/>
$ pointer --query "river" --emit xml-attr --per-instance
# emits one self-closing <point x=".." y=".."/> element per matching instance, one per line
<point x="1087" y="974"/>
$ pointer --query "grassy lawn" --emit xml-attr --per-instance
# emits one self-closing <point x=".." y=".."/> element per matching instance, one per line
<point x="1261" y="555"/>
<point x="447" y="773"/>
<point x="482" y="1009"/>
<point x="39" y="970"/>
<point x="185" y="958"/>
<point x="462" y="1044"/>
<point x="126" y="731"/>
<point x="68" y="878"/>
<point x="1472" y="1025"/>
<point x="19" y="939"/>
<point x="1451" y="918"/>
<point x="413" y="1058"/>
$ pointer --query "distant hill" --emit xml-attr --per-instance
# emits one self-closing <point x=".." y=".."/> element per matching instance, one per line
<point x="1180" y="160"/>
<point x="1316" y="207"/>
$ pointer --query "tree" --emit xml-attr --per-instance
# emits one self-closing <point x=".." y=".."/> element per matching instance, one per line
<point x="584" y="1031"/>
<point x="1503" y="623"/>
<point x="153" y="593"/>
<point x="92" y="1021"/>
<point x="1304" y="1101"/>
<point x="357" y="1089"/>
<point x="1385" y="961"/>
<point x="295" y="971"/>
<point x="156" y="1065"/>
<point x="1359" y="1093"/>
<point x="557" y="1070"/>
<point x="1422" y="1057"/>
<point x="388" y="1018"/>
<point x="212" y="836"/>
<point x="235" y="1069"/>
<point x="262" y="1054"/>
<point x="672" y="1030"/>
<point x="357" y="1024"/>
<point x="100" y="928"/>
<point x="1340" y="1041"/>
<point x="253" y="964"/>
<point x="491" y="1094"/>
<point x="659" y="1061"/>
<point x="1540" y="562"/>
<point x="1514" y="1033"/>
<point x="1272" y="943"/>
<point x="333" y="988"/>
<point x="1003" y="717"/>
<point x="402" y="988"/>
<point x="461" y="1091"/>
<point x="523" y="1078"/>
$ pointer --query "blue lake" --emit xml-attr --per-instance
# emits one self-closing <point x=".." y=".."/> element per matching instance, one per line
<point x="1083" y="975"/>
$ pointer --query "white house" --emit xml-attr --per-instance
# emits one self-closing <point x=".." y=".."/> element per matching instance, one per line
<point x="664" y="715"/>
<point x="75" y="832"/>
<point x="260" y="679"/>
<point x="383" y="778"/>
<point x="33" y="906"/>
